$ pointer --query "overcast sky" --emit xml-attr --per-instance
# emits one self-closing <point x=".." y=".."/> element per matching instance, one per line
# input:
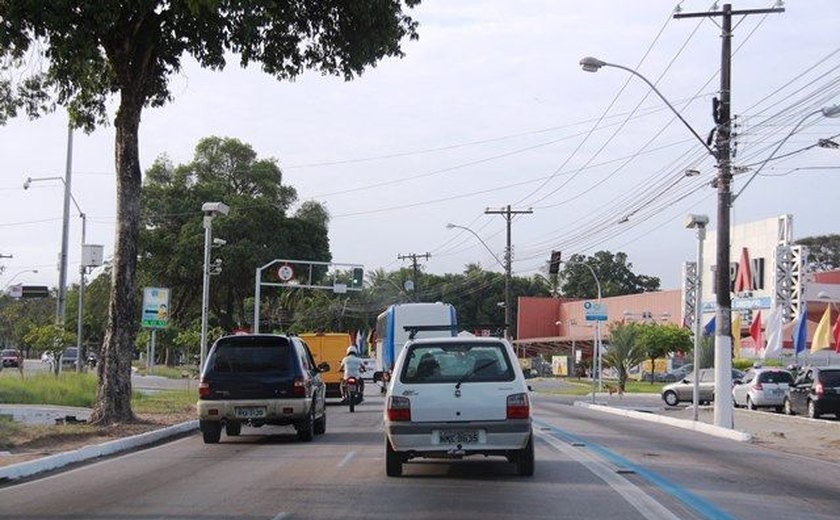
<point x="488" y="108"/>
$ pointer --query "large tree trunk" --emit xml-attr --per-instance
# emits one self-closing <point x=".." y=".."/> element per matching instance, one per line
<point x="113" y="399"/>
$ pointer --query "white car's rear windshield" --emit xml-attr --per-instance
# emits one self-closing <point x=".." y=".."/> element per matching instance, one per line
<point x="455" y="362"/>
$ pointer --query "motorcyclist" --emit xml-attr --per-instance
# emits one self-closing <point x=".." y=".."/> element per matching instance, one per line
<point x="353" y="367"/>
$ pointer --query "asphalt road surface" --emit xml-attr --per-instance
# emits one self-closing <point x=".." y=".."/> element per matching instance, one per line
<point x="589" y="465"/>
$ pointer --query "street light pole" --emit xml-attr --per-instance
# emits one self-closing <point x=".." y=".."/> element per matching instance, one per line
<point x="211" y="210"/>
<point x="65" y="231"/>
<point x="12" y="279"/>
<point x="698" y="222"/>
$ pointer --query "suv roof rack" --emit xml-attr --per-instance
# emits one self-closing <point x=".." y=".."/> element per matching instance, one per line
<point x="414" y="329"/>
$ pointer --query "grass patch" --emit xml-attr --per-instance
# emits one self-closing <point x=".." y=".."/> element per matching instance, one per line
<point x="641" y="387"/>
<point x="68" y="389"/>
<point x="169" y="401"/>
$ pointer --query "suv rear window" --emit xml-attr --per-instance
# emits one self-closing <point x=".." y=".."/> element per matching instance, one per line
<point x="251" y="354"/>
<point x="830" y="378"/>
<point x="779" y="376"/>
<point x="454" y="362"/>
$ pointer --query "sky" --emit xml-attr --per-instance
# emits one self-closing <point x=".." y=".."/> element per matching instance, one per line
<point x="488" y="108"/>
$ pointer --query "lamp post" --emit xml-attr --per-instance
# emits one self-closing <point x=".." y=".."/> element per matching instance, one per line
<point x="82" y="268"/>
<point x="699" y="223"/>
<point x="504" y="265"/>
<point x="211" y="210"/>
<point x="829" y="111"/>
<point x="12" y="279"/>
<point x="723" y="312"/>
<point x="596" y="344"/>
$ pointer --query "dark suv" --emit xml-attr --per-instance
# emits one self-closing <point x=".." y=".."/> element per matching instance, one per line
<point x="815" y="392"/>
<point x="258" y="379"/>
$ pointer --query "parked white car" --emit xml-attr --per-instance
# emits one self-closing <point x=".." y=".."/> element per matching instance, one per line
<point x="454" y="397"/>
<point x="762" y="387"/>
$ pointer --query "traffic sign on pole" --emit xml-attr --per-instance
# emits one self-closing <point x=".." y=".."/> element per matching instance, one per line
<point x="155" y="308"/>
<point x="595" y="311"/>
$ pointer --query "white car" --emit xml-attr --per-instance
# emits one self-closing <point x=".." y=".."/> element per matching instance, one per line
<point x="454" y="397"/>
<point x="762" y="387"/>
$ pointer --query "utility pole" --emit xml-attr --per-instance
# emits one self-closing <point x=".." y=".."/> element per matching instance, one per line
<point x="65" y="232"/>
<point x="508" y="214"/>
<point x="414" y="257"/>
<point x="722" y="117"/>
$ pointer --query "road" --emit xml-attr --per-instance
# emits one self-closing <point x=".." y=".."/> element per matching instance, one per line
<point x="583" y="460"/>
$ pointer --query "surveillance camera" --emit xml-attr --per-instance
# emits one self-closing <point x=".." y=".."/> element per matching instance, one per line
<point x="215" y="208"/>
<point x="27" y="182"/>
<point x="217" y="261"/>
<point x="694" y="221"/>
<point x="219" y="242"/>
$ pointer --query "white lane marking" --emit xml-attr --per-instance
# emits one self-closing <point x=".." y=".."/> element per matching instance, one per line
<point x="635" y="496"/>
<point x="281" y="515"/>
<point x="346" y="459"/>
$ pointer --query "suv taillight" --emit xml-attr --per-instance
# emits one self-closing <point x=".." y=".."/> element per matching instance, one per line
<point x="518" y="406"/>
<point x="299" y="387"/>
<point x="818" y="388"/>
<point x="204" y="388"/>
<point x="757" y="386"/>
<point x="399" y="409"/>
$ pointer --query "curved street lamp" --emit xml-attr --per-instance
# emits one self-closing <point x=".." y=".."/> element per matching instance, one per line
<point x="12" y="279"/>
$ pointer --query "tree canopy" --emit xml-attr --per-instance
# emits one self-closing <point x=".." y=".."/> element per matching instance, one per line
<point x="614" y="272"/>
<point x="823" y="252"/>
<point x="78" y="54"/>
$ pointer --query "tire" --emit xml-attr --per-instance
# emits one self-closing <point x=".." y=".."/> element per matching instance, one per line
<point x="211" y="431"/>
<point x="671" y="398"/>
<point x="779" y="409"/>
<point x="393" y="461"/>
<point x="321" y="424"/>
<point x="525" y="459"/>
<point x="232" y="429"/>
<point x="750" y="404"/>
<point x="813" y="413"/>
<point x="351" y="398"/>
<point x="787" y="407"/>
<point x="306" y="428"/>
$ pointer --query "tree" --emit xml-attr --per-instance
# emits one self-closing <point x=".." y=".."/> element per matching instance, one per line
<point x="660" y="340"/>
<point x="77" y="54"/>
<point x="51" y="339"/>
<point x="614" y="272"/>
<point x="624" y="350"/>
<point x="823" y="252"/>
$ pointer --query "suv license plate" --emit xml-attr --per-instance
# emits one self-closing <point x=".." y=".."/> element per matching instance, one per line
<point x="458" y="436"/>
<point x="249" y="412"/>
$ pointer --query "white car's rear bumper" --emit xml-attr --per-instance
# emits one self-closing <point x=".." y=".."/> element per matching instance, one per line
<point x="424" y="438"/>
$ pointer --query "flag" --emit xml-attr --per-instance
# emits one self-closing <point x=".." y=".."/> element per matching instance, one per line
<point x="836" y="333"/>
<point x="709" y="329"/>
<point x="736" y="334"/>
<point x="774" y="334"/>
<point x="822" y="335"/>
<point x="755" y="332"/>
<point x="800" y="333"/>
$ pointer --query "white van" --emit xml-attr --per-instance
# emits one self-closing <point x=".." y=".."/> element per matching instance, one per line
<point x="455" y="397"/>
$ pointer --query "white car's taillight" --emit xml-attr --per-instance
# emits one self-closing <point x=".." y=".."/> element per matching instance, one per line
<point x="399" y="409"/>
<point x="518" y="406"/>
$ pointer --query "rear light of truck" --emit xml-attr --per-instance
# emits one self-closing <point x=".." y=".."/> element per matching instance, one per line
<point x="518" y="406"/>
<point x="399" y="409"/>
<point x="299" y="387"/>
<point x="204" y="388"/>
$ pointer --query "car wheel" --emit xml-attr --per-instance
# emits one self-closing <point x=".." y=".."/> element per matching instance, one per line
<point x="211" y="431"/>
<point x="779" y="409"/>
<point x="393" y="460"/>
<point x="525" y="459"/>
<point x="232" y="429"/>
<point x="750" y="404"/>
<point x="321" y="424"/>
<point x="306" y="428"/>
<point x="671" y="398"/>
<point x="787" y="407"/>
<point x="812" y="410"/>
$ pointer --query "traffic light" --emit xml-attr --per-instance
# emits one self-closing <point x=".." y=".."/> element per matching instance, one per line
<point x="358" y="278"/>
<point x="554" y="263"/>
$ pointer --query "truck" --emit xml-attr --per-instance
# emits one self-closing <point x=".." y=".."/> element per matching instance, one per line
<point x="391" y="333"/>
<point x="330" y="347"/>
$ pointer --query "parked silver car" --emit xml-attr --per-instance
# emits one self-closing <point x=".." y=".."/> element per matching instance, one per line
<point x="762" y="387"/>
<point x="682" y="391"/>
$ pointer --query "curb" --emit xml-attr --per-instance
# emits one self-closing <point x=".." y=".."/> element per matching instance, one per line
<point x="798" y="418"/>
<point x="697" y="426"/>
<point x="29" y="468"/>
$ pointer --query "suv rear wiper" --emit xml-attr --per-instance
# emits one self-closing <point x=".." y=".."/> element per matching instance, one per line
<point x="473" y="371"/>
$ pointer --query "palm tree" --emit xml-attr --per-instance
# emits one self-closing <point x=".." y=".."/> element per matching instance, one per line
<point x="624" y="350"/>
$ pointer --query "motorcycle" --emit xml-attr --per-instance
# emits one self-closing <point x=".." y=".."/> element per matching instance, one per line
<point x="353" y="391"/>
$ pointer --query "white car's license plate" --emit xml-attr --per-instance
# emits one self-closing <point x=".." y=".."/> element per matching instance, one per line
<point x="458" y="436"/>
<point x="249" y="412"/>
<point x="777" y="392"/>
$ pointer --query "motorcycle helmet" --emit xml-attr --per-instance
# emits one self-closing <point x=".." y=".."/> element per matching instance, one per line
<point x="351" y="350"/>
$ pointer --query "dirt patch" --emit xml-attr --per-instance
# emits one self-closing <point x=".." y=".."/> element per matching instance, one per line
<point x="24" y="443"/>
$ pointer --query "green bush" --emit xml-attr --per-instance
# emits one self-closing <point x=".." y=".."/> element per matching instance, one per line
<point x="745" y="364"/>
